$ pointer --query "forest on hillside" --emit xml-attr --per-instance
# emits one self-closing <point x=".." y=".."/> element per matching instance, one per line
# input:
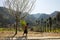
<point x="43" y="23"/>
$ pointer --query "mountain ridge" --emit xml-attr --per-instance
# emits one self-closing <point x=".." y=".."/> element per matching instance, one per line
<point x="29" y="18"/>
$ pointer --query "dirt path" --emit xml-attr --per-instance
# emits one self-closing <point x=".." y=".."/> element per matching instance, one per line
<point x="31" y="38"/>
<point x="30" y="34"/>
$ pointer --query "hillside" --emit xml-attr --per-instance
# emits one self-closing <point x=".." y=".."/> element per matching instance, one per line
<point x="7" y="18"/>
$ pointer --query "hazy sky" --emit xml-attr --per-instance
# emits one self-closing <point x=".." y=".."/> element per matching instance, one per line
<point x="44" y="6"/>
<point x="1" y="2"/>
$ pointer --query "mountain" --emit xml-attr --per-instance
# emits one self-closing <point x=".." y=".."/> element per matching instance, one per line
<point x="30" y="19"/>
<point x="46" y="16"/>
<point x="54" y="13"/>
<point x="5" y="17"/>
<point x="43" y="16"/>
<point x="36" y="15"/>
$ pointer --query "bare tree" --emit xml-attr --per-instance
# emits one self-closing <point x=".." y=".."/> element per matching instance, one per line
<point x="19" y="6"/>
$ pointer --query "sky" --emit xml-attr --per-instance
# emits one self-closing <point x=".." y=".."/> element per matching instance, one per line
<point x="44" y="6"/>
<point x="1" y="3"/>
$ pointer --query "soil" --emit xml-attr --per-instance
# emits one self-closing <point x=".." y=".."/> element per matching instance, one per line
<point x="30" y="34"/>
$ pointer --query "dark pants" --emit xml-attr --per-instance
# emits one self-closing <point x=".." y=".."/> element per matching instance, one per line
<point x="25" y="32"/>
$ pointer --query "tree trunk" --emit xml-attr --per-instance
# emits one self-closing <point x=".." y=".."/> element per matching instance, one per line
<point x="16" y="28"/>
<point x="16" y="25"/>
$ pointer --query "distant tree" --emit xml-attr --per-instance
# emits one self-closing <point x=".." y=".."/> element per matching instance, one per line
<point x="58" y="20"/>
<point x="38" y="22"/>
<point x="54" y="23"/>
<point x="42" y="24"/>
<point x="1" y="20"/>
<point x="46" y="24"/>
<point x="58" y="17"/>
<point x="45" y="27"/>
<point x="19" y="7"/>
<point x="50" y="23"/>
<point x="54" y="20"/>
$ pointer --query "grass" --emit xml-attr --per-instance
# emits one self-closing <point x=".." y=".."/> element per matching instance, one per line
<point x="34" y="29"/>
<point x="7" y="32"/>
<point x="7" y="29"/>
<point x="39" y="29"/>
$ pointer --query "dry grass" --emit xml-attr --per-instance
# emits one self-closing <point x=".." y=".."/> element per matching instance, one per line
<point x="30" y="34"/>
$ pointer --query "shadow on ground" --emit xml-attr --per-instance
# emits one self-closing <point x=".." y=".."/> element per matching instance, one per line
<point x="25" y="38"/>
<point x="14" y="38"/>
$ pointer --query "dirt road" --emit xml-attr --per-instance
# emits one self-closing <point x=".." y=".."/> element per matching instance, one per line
<point x="31" y="38"/>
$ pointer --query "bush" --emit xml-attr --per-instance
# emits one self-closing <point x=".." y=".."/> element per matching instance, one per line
<point x="36" y="29"/>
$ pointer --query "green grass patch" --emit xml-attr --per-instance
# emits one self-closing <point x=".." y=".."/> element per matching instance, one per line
<point x="7" y="29"/>
<point x="10" y="29"/>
